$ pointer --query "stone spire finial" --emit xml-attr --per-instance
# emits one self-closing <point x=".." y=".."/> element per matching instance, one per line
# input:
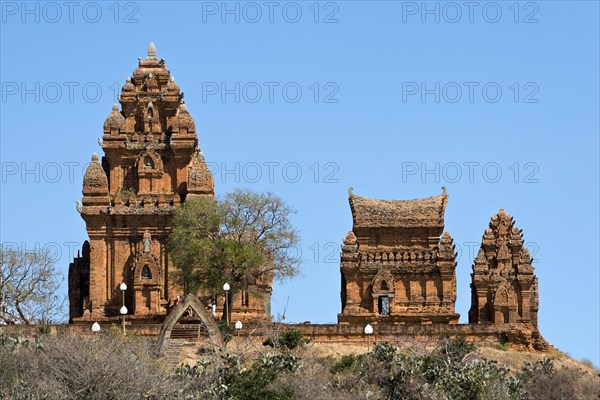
<point x="172" y="79"/>
<point x="199" y="154"/>
<point x="115" y="107"/>
<point x="151" y="52"/>
<point x="95" y="158"/>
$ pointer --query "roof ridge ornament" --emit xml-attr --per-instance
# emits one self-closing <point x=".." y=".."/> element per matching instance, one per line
<point x="480" y="259"/>
<point x="151" y="52"/>
<point x="199" y="155"/>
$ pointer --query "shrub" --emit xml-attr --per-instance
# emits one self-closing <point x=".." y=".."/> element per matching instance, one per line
<point x="289" y="339"/>
<point x="124" y="191"/>
<point x="345" y="364"/>
<point x="256" y="383"/>
<point x="227" y="331"/>
<point x="279" y="362"/>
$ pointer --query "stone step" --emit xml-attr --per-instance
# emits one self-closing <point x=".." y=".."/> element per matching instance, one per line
<point x="173" y="351"/>
<point x="184" y="333"/>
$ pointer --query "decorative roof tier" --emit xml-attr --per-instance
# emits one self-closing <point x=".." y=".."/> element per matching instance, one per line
<point x="150" y="141"/>
<point x="150" y="99"/>
<point x="418" y="213"/>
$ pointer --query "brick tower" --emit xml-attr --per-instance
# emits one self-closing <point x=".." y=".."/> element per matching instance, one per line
<point x="152" y="164"/>
<point x="396" y="266"/>
<point x="504" y="287"/>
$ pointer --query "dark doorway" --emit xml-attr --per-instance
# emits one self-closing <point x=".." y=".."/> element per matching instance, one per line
<point x="383" y="304"/>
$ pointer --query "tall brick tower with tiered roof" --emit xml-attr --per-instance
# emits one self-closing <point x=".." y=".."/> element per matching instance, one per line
<point x="152" y="164"/>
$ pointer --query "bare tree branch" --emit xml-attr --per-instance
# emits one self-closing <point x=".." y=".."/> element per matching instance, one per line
<point x="28" y="287"/>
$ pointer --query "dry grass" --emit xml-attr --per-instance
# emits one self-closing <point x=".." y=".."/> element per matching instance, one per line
<point x="514" y="360"/>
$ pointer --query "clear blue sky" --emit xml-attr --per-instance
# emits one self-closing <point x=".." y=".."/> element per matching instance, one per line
<point x="464" y="93"/>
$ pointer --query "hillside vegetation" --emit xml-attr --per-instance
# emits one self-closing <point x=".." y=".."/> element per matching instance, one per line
<point x="112" y="366"/>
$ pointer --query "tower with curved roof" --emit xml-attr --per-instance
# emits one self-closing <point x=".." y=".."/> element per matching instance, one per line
<point x="396" y="265"/>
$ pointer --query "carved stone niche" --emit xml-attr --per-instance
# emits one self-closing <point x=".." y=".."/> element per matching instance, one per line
<point x="149" y="164"/>
<point x="147" y="281"/>
<point x="384" y="290"/>
<point x="150" y="118"/>
<point x="150" y="171"/>
<point x="505" y="304"/>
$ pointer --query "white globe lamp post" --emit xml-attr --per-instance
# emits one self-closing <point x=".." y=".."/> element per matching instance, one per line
<point x="368" y="332"/>
<point x="226" y="288"/>
<point x="123" y="309"/>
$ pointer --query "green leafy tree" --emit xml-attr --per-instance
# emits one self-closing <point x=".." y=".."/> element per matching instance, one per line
<point x="237" y="238"/>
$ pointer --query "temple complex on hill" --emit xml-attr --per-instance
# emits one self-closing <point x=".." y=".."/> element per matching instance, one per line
<point x="398" y="265"/>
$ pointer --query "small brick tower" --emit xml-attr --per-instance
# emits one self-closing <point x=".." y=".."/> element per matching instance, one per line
<point x="504" y="287"/>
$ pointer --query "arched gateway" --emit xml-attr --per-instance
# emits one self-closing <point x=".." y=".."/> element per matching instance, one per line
<point x="189" y="302"/>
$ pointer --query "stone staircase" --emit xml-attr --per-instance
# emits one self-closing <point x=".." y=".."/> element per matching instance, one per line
<point x="186" y="338"/>
<point x="189" y="332"/>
